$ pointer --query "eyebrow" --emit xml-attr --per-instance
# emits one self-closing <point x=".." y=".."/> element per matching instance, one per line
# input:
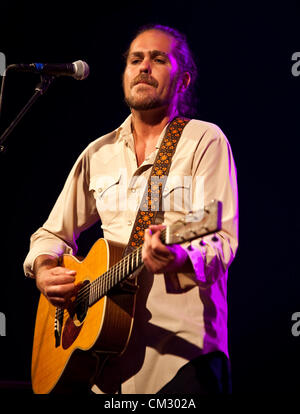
<point x="153" y="54"/>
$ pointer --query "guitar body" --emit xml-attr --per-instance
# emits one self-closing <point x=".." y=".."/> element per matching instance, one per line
<point x="83" y="344"/>
<point x="70" y="345"/>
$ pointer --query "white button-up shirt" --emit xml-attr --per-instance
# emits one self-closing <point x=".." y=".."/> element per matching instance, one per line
<point x="175" y="320"/>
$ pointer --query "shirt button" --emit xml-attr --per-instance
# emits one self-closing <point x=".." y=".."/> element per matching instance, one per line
<point x="133" y="190"/>
<point x="99" y="190"/>
<point x="129" y="222"/>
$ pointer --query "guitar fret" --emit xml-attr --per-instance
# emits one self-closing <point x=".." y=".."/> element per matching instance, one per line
<point x="104" y="290"/>
<point x="115" y="274"/>
<point x="107" y="279"/>
<point x="119" y="272"/>
<point x="91" y="293"/>
<point x="103" y="284"/>
<point x="97" y="287"/>
<point x="123" y="268"/>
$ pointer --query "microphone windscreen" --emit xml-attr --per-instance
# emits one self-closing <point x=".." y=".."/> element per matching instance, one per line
<point x="81" y="70"/>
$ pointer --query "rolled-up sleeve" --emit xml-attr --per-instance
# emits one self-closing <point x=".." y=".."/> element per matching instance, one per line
<point x="211" y="256"/>
<point x="74" y="211"/>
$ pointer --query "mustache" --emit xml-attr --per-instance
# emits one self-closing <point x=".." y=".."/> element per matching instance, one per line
<point x="143" y="77"/>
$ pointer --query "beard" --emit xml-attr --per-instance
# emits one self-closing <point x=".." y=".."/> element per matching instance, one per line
<point x="145" y="102"/>
<point x="142" y="100"/>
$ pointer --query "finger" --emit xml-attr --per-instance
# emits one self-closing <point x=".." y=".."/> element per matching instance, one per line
<point x="57" y="271"/>
<point x="153" y="247"/>
<point x="156" y="227"/>
<point x="147" y="240"/>
<point x="147" y="234"/>
<point x="60" y="291"/>
<point x="150" y="235"/>
<point x="58" y="302"/>
<point x="60" y="280"/>
<point x="62" y="276"/>
<point x="157" y="246"/>
<point x="146" y="249"/>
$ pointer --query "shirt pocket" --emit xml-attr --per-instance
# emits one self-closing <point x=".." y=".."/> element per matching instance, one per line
<point x="106" y="192"/>
<point x="177" y="194"/>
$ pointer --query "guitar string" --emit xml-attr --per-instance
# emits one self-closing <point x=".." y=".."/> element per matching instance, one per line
<point x="100" y="289"/>
<point x="102" y="285"/>
<point x="101" y="281"/>
<point x="105" y="277"/>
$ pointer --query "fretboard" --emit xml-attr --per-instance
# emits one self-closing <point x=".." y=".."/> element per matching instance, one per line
<point x="117" y="273"/>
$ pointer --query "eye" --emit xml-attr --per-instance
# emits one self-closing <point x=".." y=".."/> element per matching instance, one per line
<point x="160" y="60"/>
<point x="135" y="61"/>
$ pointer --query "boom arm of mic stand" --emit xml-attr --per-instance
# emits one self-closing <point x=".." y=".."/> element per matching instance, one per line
<point x="40" y="89"/>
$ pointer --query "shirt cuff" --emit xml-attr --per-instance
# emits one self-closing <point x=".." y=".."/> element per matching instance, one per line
<point x="29" y="264"/>
<point x="197" y="258"/>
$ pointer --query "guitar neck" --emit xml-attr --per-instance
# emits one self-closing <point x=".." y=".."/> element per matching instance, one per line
<point x="117" y="273"/>
<point x="195" y="225"/>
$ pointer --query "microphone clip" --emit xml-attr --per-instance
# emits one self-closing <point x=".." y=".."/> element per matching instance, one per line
<point x="44" y="83"/>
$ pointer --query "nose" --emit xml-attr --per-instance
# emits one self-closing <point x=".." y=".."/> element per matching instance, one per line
<point x="145" y="66"/>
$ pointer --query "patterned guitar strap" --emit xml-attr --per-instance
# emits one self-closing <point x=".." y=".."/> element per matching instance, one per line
<point x="151" y="202"/>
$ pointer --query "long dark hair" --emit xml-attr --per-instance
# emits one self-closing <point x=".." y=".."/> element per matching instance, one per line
<point x="187" y="105"/>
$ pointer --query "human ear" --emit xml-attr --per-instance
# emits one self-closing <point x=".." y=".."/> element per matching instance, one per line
<point x="185" y="81"/>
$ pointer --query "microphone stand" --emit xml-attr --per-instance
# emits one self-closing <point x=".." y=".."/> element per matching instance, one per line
<point x="40" y="89"/>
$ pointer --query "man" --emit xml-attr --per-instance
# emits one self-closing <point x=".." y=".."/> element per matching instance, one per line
<point x="178" y="342"/>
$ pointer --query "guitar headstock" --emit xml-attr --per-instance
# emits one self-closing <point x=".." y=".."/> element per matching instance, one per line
<point x="195" y="225"/>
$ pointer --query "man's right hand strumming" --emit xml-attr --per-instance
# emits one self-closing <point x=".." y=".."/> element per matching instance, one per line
<point x="56" y="283"/>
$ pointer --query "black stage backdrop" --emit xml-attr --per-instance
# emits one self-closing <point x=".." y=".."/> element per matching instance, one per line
<point x="248" y="85"/>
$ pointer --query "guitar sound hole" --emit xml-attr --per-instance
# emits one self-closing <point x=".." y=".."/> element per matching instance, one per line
<point x="82" y="301"/>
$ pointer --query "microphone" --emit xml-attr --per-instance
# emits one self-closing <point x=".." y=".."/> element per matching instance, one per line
<point x="78" y="70"/>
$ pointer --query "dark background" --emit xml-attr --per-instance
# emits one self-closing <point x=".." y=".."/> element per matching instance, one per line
<point x="245" y="86"/>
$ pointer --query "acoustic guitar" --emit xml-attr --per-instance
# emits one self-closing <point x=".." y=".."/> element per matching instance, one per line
<point x="70" y="344"/>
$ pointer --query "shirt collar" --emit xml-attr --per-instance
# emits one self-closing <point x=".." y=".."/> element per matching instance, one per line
<point x="125" y="132"/>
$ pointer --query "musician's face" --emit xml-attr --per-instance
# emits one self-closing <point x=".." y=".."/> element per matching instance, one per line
<point x="150" y="78"/>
